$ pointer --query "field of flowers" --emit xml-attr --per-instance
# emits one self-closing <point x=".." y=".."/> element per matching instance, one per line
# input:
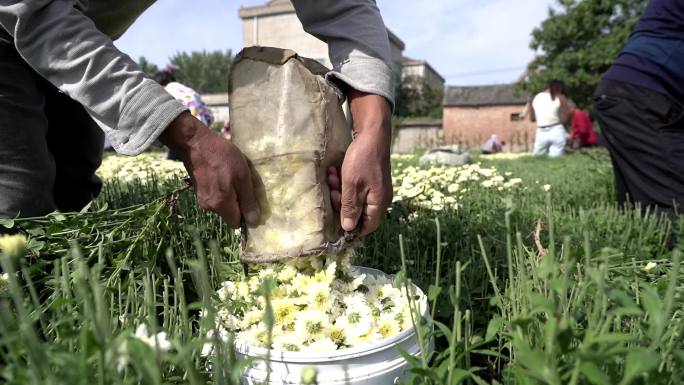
<point x="532" y="273"/>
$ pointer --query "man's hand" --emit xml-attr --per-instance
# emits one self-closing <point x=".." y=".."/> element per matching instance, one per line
<point x="218" y="170"/>
<point x="366" y="181"/>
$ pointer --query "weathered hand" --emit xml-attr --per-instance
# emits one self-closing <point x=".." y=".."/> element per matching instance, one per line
<point x="218" y="170"/>
<point x="366" y="181"/>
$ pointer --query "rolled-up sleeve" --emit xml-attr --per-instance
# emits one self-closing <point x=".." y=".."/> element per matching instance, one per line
<point x="357" y="39"/>
<point x="64" y="46"/>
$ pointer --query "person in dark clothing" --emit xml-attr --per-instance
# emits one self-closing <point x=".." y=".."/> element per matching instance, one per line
<point x="638" y="105"/>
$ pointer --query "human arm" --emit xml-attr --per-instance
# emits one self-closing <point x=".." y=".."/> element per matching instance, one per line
<point x="218" y="170"/>
<point x="64" y="46"/>
<point x="564" y="112"/>
<point x="358" y="43"/>
<point x="360" y="53"/>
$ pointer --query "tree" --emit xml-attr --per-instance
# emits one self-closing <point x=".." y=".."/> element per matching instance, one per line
<point x="579" y="42"/>
<point x="206" y="72"/>
<point x="147" y="67"/>
<point x="415" y="97"/>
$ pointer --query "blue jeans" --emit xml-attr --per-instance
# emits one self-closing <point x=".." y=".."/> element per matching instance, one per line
<point x="550" y="140"/>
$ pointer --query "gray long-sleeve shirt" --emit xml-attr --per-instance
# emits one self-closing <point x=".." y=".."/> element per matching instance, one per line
<point x="69" y="42"/>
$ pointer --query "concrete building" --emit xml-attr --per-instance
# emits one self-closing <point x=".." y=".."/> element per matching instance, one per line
<point x="412" y="68"/>
<point x="275" y="24"/>
<point x="472" y="114"/>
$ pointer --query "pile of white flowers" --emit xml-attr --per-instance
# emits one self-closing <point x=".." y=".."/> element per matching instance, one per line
<point x="443" y="187"/>
<point x="508" y="155"/>
<point x="129" y="168"/>
<point x="318" y="304"/>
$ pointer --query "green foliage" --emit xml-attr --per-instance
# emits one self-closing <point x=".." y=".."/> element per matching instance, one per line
<point x="147" y="67"/>
<point x="415" y="97"/>
<point x="515" y="300"/>
<point x="205" y="72"/>
<point x="578" y="42"/>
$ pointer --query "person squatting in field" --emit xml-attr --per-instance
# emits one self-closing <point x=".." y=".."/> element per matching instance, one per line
<point x="581" y="129"/>
<point x="638" y="105"/>
<point x="63" y="82"/>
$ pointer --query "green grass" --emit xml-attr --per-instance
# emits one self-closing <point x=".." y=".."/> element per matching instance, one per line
<point x="533" y="287"/>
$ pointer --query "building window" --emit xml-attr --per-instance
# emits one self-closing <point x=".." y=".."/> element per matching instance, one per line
<point x="515" y="117"/>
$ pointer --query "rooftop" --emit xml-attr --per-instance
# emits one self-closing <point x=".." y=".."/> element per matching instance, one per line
<point x="473" y="96"/>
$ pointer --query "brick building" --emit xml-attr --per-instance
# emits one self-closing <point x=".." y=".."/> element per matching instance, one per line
<point x="472" y="114"/>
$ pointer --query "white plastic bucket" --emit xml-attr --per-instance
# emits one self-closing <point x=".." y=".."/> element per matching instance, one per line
<point x="379" y="363"/>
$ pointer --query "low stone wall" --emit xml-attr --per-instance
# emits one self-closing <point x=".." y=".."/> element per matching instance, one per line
<point x="218" y="105"/>
<point x="411" y="135"/>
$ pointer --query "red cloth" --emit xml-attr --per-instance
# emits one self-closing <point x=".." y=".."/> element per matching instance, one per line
<point x="582" y="128"/>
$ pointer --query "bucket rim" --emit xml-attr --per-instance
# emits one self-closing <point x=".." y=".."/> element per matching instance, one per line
<point x="340" y="354"/>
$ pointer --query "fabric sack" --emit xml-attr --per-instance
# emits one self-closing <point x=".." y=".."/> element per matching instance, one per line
<point x="288" y="121"/>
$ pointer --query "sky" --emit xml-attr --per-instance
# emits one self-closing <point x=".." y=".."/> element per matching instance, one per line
<point x="469" y="42"/>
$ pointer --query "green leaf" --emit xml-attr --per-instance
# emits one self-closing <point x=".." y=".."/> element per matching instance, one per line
<point x="459" y="375"/>
<point x="611" y="338"/>
<point x="410" y="358"/>
<point x="399" y="279"/>
<point x="493" y="328"/>
<point x="7" y="223"/>
<point x="639" y="362"/>
<point x="444" y="329"/>
<point x="433" y="292"/>
<point x="594" y="374"/>
<point x="654" y="308"/>
<point x="478" y="380"/>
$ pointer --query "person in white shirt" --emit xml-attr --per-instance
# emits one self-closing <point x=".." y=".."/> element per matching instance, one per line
<point x="550" y="110"/>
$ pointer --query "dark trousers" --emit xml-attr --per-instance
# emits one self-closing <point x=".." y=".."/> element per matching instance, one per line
<point x="644" y="132"/>
<point x="49" y="146"/>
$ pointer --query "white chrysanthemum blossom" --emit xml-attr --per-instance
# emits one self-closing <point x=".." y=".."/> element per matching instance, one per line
<point x="324" y="344"/>
<point x="233" y="290"/>
<point x="319" y="296"/>
<point x="127" y="168"/>
<point x="251" y="317"/>
<point x="13" y="245"/>
<point x="255" y="335"/>
<point x="325" y="305"/>
<point x="426" y="188"/>
<point x="355" y="322"/>
<point x="287" y="342"/>
<point x="159" y="340"/>
<point x="310" y="325"/>
<point x="4" y="282"/>
<point x="286" y="274"/>
<point x="365" y="339"/>
<point x="284" y="310"/>
<point x="228" y="320"/>
<point x="387" y="325"/>
<point x="348" y="284"/>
